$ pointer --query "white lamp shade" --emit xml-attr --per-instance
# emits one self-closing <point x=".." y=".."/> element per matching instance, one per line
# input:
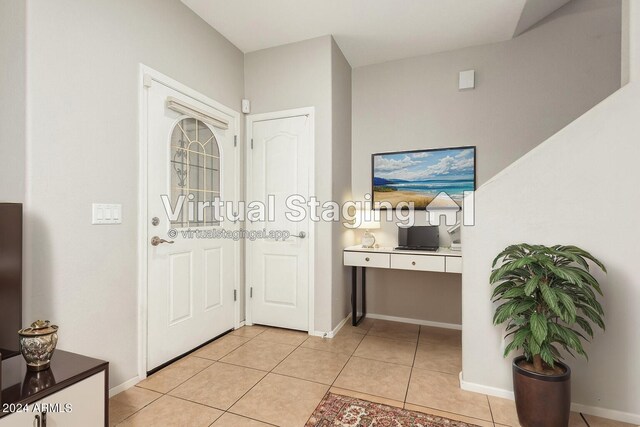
<point x="367" y="220"/>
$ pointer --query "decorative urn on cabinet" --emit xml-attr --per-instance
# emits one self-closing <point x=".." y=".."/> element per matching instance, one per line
<point x="37" y="344"/>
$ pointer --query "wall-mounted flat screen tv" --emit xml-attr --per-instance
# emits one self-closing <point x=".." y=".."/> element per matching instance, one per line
<point x="419" y="176"/>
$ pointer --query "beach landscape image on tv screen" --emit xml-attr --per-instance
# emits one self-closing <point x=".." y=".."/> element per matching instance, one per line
<point x="419" y="176"/>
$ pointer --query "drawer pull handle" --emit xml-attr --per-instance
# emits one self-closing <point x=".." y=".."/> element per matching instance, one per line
<point x="367" y="259"/>
<point x="413" y="263"/>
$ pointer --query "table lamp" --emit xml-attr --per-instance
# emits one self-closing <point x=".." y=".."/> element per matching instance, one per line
<point x="367" y="221"/>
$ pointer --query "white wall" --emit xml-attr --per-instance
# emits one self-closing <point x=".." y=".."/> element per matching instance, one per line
<point x="578" y="187"/>
<point x="83" y="147"/>
<point x="341" y="179"/>
<point x="527" y="89"/>
<point x="300" y="75"/>
<point x="13" y="105"/>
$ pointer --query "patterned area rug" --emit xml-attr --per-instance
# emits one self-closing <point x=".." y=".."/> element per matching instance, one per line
<point x="342" y="411"/>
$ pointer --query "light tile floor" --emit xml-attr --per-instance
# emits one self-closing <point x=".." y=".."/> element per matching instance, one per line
<point x="258" y="376"/>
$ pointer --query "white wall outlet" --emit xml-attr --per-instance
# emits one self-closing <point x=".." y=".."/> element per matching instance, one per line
<point x="103" y="213"/>
<point x="467" y="79"/>
<point x="246" y="106"/>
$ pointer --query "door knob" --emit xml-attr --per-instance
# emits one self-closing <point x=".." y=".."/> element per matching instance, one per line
<point x="155" y="241"/>
<point x="301" y="235"/>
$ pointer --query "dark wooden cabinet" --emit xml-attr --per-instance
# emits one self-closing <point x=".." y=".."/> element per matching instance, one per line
<point x="73" y="392"/>
<point x="10" y="277"/>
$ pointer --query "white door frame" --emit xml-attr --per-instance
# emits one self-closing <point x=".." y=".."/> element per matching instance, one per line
<point x="146" y="77"/>
<point x="306" y="111"/>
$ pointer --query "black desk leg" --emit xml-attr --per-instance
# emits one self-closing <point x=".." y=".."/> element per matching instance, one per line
<point x="354" y="304"/>
<point x="354" y="295"/>
<point x="364" y="293"/>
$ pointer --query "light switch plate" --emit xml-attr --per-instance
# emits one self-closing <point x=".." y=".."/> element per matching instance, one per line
<point x="106" y="213"/>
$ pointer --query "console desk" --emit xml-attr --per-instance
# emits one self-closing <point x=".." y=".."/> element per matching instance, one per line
<point x="443" y="260"/>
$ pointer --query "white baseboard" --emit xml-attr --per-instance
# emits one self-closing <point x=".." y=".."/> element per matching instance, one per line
<point x="415" y="321"/>
<point x="485" y="389"/>
<point x="241" y="324"/>
<point x="124" y="386"/>
<point x="339" y="326"/>
<point x="611" y="414"/>
<point x="333" y="332"/>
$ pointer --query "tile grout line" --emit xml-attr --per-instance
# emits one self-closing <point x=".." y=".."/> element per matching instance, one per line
<point x="354" y="355"/>
<point x="493" y="420"/>
<point x="170" y="390"/>
<point x="251" y="388"/>
<point x="173" y="388"/>
<point x="261" y="379"/>
<point x="451" y="414"/>
<point x="413" y="362"/>
<point x="289" y="376"/>
<point x="243" y="416"/>
<point x="349" y="359"/>
<point x="163" y="393"/>
<point x="342" y="369"/>
<point x="350" y="355"/>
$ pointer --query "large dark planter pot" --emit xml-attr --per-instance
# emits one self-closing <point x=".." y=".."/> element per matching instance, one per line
<point x="542" y="400"/>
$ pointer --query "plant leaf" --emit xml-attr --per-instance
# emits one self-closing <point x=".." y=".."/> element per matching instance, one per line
<point x="531" y="285"/>
<point x="547" y="355"/>
<point x="538" y="327"/>
<point x="549" y="297"/>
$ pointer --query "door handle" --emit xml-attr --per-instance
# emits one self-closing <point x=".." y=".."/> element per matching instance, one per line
<point x="300" y="235"/>
<point x="155" y="241"/>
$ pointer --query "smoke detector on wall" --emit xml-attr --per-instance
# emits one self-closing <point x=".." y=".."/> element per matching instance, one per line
<point x="467" y="80"/>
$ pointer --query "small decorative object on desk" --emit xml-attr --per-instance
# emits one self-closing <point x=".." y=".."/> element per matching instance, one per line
<point x="37" y="344"/>
<point x="367" y="220"/>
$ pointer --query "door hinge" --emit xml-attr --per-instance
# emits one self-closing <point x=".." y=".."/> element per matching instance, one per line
<point x="235" y="295"/>
<point x="252" y="143"/>
<point x="251" y="292"/>
<point x="235" y="140"/>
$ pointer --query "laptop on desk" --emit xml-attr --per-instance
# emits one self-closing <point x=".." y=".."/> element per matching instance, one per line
<point x="418" y="238"/>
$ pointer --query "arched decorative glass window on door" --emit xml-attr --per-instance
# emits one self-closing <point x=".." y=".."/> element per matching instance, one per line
<point x="195" y="170"/>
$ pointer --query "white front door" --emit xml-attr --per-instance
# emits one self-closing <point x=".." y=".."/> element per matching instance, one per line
<point x="278" y="166"/>
<point x="191" y="272"/>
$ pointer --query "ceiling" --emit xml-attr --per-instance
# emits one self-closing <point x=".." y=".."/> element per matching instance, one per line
<point x="371" y="31"/>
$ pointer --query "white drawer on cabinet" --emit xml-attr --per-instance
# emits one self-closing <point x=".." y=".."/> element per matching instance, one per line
<point x="364" y="259"/>
<point x="454" y="264"/>
<point x="418" y="262"/>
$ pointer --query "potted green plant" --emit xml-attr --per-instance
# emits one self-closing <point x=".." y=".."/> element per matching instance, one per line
<point x="548" y="301"/>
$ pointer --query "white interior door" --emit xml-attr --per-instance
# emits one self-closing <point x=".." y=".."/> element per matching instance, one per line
<point x="278" y="270"/>
<point x="192" y="277"/>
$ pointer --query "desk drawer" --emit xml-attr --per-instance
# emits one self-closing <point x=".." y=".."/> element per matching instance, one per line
<point x="454" y="264"/>
<point x="417" y="262"/>
<point x="365" y="259"/>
